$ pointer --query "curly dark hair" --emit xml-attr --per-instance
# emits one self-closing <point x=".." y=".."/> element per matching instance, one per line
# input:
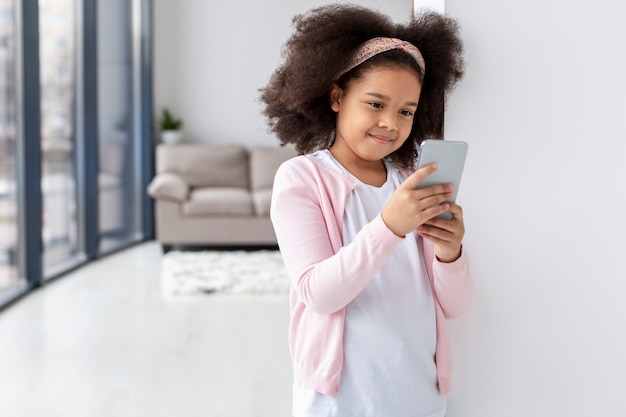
<point x="296" y="98"/>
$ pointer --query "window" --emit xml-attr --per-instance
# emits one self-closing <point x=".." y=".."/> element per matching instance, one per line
<point x="118" y="200"/>
<point x="9" y="200"/>
<point x="58" y="86"/>
<point x="76" y="143"/>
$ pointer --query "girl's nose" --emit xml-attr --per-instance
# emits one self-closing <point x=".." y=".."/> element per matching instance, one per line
<point x="388" y="121"/>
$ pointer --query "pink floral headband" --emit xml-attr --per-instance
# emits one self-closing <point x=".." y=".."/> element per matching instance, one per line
<point x="376" y="46"/>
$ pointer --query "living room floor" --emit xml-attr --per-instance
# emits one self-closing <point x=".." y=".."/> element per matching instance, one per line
<point x="103" y="341"/>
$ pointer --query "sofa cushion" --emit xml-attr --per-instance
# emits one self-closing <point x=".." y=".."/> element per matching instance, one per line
<point x="264" y="162"/>
<point x="203" y="165"/>
<point x="169" y="186"/>
<point x="262" y="200"/>
<point x="222" y="201"/>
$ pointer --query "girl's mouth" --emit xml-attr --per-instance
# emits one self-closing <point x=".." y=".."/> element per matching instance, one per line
<point x="381" y="139"/>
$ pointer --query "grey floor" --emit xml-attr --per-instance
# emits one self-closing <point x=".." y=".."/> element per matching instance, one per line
<point x="103" y="341"/>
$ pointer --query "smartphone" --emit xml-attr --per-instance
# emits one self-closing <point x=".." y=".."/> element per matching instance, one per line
<point x="450" y="158"/>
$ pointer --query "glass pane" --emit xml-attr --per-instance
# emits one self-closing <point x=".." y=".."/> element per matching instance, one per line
<point x="9" y="233"/>
<point x="57" y="60"/>
<point x="117" y="202"/>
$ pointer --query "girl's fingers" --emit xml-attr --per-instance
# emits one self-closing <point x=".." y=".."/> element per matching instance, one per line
<point x="437" y="233"/>
<point x="447" y="235"/>
<point x="457" y="218"/>
<point x="434" y="210"/>
<point x="418" y="176"/>
<point x="415" y="179"/>
<point x="457" y="211"/>
<point x="436" y="200"/>
<point x="446" y="229"/>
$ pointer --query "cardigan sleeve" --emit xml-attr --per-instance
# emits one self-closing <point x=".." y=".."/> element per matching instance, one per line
<point x="452" y="282"/>
<point x="325" y="274"/>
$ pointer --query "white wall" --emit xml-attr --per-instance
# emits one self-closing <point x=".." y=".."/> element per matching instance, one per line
<point x="543" y="106"/>
<point x="210" y="61"/>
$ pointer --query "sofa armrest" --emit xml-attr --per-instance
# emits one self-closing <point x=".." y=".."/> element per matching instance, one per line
<point x="169" y="186"/>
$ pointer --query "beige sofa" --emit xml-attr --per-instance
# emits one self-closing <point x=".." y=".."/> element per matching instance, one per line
<point x="215" y="195"/>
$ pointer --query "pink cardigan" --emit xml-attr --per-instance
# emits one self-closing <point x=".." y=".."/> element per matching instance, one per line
<point x="308" y="202"/>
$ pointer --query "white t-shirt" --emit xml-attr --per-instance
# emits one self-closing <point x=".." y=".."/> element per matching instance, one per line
<point x="389" y="334"/>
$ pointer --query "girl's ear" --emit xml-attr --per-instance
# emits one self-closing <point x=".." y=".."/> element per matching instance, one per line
<point x="335" y="97"/>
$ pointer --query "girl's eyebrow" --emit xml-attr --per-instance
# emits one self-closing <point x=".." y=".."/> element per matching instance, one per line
<point x="384" y="97"/>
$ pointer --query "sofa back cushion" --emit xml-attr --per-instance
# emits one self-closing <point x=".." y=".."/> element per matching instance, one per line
<point x="219" y="201"/>
<point x="264" y="162"/>
<point x="203" y="165"/>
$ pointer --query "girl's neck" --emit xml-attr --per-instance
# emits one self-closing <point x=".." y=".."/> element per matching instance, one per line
<point x="372" y="173"/>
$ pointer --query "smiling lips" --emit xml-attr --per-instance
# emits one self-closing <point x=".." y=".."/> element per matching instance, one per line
<point x="381" y="139"/>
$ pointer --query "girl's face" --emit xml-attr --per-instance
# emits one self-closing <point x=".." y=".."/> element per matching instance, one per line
<point x="374" y="114"/>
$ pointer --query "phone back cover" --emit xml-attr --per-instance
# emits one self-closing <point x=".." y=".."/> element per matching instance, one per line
<point x="450" y="158"/>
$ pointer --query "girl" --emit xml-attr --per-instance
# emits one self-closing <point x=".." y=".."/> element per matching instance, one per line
<point x="374" y="272"/>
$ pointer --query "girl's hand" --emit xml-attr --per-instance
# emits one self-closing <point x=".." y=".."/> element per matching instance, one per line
<point x="408" y="208"/>
<point x="447" y="235"/>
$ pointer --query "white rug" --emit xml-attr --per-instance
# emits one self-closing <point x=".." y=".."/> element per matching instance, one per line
<point x="195" y="273"/>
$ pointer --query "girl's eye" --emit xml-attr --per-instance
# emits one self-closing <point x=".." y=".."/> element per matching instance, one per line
<point x="406" y="113"/>
<point x="376" y="105"/>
